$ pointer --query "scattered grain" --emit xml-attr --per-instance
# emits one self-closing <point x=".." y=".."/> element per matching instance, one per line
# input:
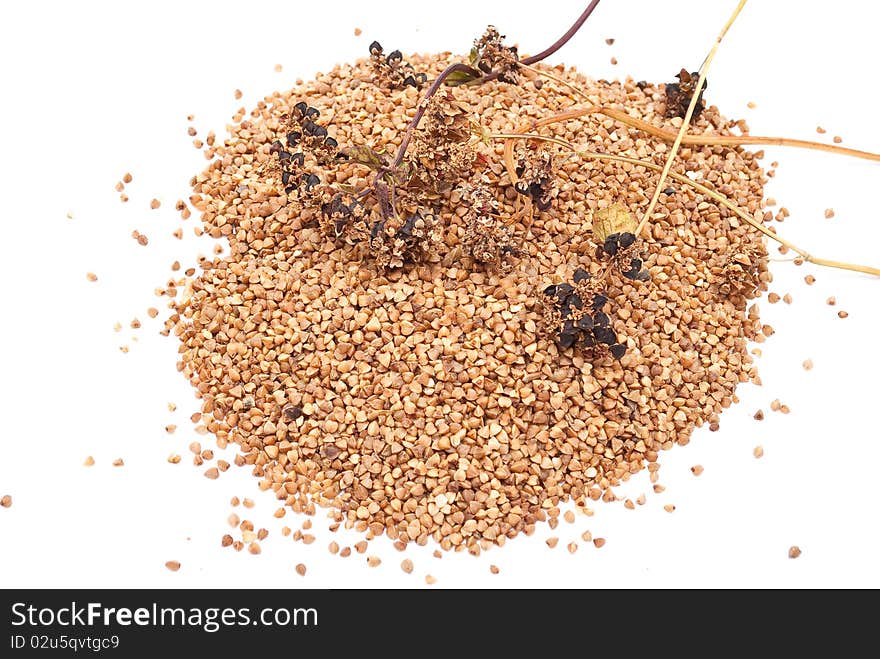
<point x="301" y="569"/>
<point x="155" y="203"/>
<point x="829" y="213"/>
<point x="794" y="551"/>
<point x="254" y="548"/>
<point x="494" y="569"/>
<point x="808" y="364"/>
<point x="91" y="276"/>
<point x="118" y="462"/>
<point x="373" y="561"/>
<point x="569" y="516"/>
<point x="174" y="566"/>
<point x="599" y="542"/>
<point x="669" y="508"/>
<point x="842" y="314"/>
<point x="758" y="452"/>
<point x="696" y="470"/>
<point x="6" y="501"/>
<point x="810" y="279"/>
<point x="572" y="547"/>
<point x="552" y="542"/>
<point x="174" y="458"/>
<point x="430" y="579"/>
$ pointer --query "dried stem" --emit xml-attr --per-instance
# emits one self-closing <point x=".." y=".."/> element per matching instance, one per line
<point x="669" y="136"/>
<point x="718" y="197"/>
<point x="420" y="111"/>
<point x="695" y="97"/>
<point x="565" y="37"/>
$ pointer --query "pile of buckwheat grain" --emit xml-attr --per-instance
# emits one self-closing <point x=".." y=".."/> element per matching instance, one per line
<point x="425" y="401"/>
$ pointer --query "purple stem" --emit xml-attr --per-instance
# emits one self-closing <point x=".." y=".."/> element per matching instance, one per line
<point x="565" y="37"/>
<point x="464" y="68"/>
<point x="423" y="105"/>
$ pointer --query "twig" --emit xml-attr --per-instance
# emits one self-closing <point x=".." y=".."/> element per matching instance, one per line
<point x="695" y="97"/>
<point x="721" y="199"/>
<point x="704" y="140"/>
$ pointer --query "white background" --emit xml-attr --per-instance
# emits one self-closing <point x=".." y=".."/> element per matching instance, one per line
<point x="93" y="90"/>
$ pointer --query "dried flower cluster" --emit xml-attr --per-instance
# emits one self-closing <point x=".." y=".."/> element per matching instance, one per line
<point x="490" y="55"/>
<point x="536" y="181"/>
<point x="679" y="95"/>
<point x="440" y="154"/>
<point x="574" y="313"/>
<point x="412" y="240"/>
<point x="391" y="72"/>
<point x="487" y="238"/>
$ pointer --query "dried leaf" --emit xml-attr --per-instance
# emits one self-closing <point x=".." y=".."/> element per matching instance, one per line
<point x="364" y="155"/>
<point x="474" y="56"/>
<point x="611" y="220"/>
<point x="460" y="78"/>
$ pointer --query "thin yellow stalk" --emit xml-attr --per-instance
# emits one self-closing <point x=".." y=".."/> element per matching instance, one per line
<point x="704" y="69"/>
<point x="721" y="199"/>
<point x="711" y="140"/>
<point x="557" y="79"/>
